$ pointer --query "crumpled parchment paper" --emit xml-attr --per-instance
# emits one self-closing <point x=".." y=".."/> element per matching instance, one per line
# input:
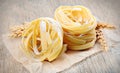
<point x="65" y="61"/>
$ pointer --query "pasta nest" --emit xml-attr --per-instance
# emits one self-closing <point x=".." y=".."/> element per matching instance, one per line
<point x="43" y="39"/>
<point x="78" y="25"/>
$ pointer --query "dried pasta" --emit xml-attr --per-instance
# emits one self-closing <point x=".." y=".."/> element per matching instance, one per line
<point x="43" y="39"/>
<point x="79" y="26"/>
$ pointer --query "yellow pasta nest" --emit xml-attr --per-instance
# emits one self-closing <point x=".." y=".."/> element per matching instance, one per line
<point x="43" y="39"/>
<point x="79" y="26"/>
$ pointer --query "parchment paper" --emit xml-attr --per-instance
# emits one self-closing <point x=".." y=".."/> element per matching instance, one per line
<point x="65" y="61"/>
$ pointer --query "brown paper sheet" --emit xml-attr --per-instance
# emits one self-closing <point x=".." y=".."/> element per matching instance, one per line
<point x="65" y="61"/>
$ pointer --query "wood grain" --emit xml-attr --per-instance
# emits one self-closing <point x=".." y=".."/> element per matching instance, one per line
<point x="18" y="11"/>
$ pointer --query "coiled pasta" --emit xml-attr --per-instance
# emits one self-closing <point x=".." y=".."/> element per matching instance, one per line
<point x="79" y="26"/>
<point x="43" y="39"/>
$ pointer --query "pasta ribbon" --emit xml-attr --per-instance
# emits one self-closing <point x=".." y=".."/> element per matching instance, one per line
<point x="43" y="39"/>
<point x="78" y="25"/>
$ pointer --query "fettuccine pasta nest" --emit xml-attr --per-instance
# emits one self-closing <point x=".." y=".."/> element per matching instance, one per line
<point x="43" y="39"/>
<point x="79" y="26"/>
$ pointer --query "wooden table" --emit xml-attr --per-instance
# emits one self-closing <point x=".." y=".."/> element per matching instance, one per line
<point x="18" y="11"/>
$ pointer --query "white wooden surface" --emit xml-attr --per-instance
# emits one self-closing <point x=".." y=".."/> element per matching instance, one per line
<point x="18" y="11"/>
